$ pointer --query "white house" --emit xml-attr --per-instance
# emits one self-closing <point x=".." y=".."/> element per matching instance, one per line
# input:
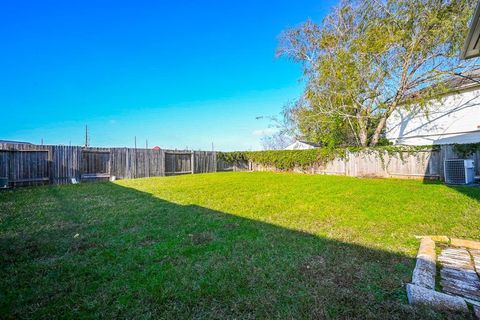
<point x="455" y="118"/>
<point x="302" y="145"/>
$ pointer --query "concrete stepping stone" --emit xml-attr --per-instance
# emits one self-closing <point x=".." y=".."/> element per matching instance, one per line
<point x="469" y="244"/>
<point x="458" y="275"/>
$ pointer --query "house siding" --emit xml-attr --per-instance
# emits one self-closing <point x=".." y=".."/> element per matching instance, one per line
<point x="453" y="119"/>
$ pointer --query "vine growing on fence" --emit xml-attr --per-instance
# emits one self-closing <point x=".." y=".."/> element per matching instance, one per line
<point x="284" y="159"/>
<point x="289" y="159"/>
<point x="465" y="150"/>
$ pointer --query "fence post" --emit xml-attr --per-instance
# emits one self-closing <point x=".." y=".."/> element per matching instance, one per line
<point x="162" y="162"/>
<point x="11" y="167"/>
<point x="443" y="156"/>
<point x="347" y="160"/>
<point x="193" y="162"/>
<point x="214" y="161"/>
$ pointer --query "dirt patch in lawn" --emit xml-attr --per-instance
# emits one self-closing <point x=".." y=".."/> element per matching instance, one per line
<point x="201" y="238"/>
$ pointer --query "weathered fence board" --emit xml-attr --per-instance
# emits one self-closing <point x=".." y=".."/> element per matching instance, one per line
<point x="205" y="161"/>
<point x="25" y="164"/>
<point x="335" y="167"/>
<point x="178" y="162"/>
<point x="65" y="164"/>
<point x="223" y="165"/>
<point x="157" y="163"/>
<point x="4" y="158"/>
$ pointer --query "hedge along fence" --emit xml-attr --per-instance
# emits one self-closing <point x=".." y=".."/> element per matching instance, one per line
<point x="391" y="161"/>
<point x="284" y="159"/>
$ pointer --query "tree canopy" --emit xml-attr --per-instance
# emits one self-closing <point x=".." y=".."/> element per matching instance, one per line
<point x="367" y="59"/>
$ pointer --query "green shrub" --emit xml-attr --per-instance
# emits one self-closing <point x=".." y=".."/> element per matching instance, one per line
<point x="283" y="159"/>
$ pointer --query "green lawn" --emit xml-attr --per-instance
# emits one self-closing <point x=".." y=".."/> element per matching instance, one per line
<point x="225" y="245"/>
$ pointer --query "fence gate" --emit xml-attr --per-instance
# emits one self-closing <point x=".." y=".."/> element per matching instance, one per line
<point x="178" y="162"/>
<point x="95" y="164"/>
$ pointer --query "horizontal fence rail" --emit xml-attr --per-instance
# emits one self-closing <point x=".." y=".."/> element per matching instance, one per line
<point x="27" y="164"/>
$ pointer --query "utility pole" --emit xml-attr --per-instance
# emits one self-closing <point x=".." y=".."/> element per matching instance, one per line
<point x="86" y="136"/>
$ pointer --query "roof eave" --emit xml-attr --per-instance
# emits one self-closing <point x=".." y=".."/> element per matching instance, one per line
<point x="471" y="47"/>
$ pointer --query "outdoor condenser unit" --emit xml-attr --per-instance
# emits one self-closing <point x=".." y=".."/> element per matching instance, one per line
<point x="459" y="171"/>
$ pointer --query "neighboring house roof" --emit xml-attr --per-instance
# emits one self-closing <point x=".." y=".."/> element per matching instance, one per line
<point x="465" y="80"/>
<point x="313" y="144"/>
<point x="457" y="82"/>
<point x="302" y="145"/>
<point x="14" y="142"/>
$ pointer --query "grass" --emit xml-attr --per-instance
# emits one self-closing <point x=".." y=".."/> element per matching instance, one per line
<point x="226" y="245"/>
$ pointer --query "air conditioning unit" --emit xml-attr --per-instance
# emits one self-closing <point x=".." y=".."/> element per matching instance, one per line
<point x="459" y="171"/>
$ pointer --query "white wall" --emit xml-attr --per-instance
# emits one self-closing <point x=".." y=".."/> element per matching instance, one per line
<point x="453" y="119"/>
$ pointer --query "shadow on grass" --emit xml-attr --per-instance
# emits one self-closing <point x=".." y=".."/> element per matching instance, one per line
<point x="472" y="191"/>
<point x="107" y="251"/>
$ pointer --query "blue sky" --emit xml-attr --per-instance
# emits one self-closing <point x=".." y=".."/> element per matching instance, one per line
<point x="178" y="73"/>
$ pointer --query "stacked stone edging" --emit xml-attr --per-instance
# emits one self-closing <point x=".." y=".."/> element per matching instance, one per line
<point x="425" y="268"/>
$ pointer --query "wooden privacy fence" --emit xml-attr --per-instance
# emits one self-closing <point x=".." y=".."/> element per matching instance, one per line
<point x="407" y="164"/>
<point x="26" y="164"/>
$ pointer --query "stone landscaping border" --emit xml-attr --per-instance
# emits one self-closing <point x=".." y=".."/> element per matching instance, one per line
<point x="421" y="296"/>
<point x="422" y="289"/>
<point x="426" y="266"/>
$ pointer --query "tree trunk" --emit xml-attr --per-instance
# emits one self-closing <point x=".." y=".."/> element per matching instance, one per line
<point x="378" y="131"/>
<point x="362" y="132"/>
<point x="383" y="122"/>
